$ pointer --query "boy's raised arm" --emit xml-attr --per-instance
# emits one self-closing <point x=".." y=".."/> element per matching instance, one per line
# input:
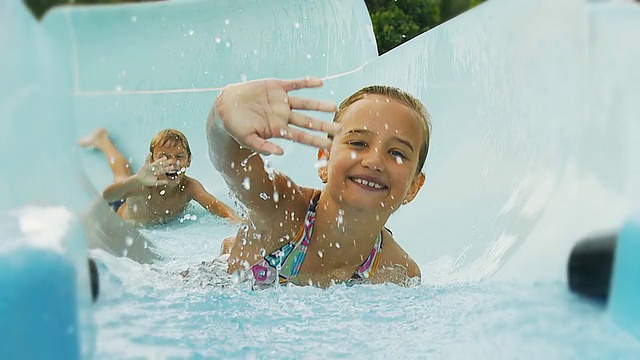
<point x="135" y="184"/>
<point x="245" y="116"/>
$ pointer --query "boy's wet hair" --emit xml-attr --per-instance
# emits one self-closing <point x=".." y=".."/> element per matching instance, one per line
<point x="402" y="97"/>
<point x="169" y="135"/>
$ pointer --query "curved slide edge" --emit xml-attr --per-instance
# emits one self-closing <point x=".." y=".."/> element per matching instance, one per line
<point x="625" y="283"/>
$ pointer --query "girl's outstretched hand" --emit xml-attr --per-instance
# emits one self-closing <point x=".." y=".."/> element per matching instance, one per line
<point x="256" y="111"/>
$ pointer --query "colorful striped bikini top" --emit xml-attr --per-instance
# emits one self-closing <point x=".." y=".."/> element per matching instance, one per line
<point x="284" y="263"/>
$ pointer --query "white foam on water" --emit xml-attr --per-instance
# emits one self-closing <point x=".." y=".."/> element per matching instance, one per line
<point x="40" y="227"/>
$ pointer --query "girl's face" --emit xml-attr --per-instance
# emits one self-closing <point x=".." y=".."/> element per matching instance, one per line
<point x="372" y="162"/>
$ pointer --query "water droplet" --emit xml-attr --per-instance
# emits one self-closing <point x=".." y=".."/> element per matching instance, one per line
<point x="226" y="21"/>
<point x="149" y="197"/>
<point x="194" y="217"/>
<point x="338" y="245"/>
<point x="276" y="197"/>
<point x="128" y="240"/>
<point x="320" y="163"/>
<point x="217" y="40"/>
<point x="288" y="183"/>
<point x="145" y="244"/>
<point x="381" y="204"/>
<point x="190" y="32"/>
<point x="386" y="126"/>
<point x="262" y="252"/>
<point x="162" y="192"/>
<point x="233" y="165"/>
<point x="166" y="211"/>
<point x="353" y="154"/>
<point x="264" y="196"/>
<point x="227" y="44"/>
<point x="320" y="253"/>
<point x="297" y="25"/>
<point x="308" y="56"/>
<point x="340" y="218"/>
<point x="399" y="160"/>
<point x="246" y="183"/>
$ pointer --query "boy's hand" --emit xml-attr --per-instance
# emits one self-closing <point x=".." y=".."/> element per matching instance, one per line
<point x="255" y="111"/>
<point x="150" y="172"/>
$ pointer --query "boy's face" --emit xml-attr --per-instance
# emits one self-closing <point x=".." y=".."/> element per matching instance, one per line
<point x="372" y="163"/>
<point x="176" y="156"/>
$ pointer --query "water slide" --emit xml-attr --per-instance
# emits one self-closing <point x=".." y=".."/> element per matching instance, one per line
<point x="534" y="108"/>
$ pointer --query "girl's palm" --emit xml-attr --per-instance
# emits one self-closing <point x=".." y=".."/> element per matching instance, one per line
<point x="256" y="111"/>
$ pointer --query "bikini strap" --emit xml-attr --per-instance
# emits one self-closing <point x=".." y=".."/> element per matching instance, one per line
<point x="274" y="267"/>
<point x="370" y="265"/>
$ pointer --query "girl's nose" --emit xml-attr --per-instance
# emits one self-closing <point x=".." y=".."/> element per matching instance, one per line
<point x="373" y="160"/>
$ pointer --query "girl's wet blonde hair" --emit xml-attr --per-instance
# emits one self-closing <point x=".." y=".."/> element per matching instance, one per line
<point x="402" y="97"/>
<point x="170" y="136"/>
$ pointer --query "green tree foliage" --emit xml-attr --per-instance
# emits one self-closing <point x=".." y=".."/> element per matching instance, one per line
<point x="40" y="7"/>
<point x="396" y="21"/>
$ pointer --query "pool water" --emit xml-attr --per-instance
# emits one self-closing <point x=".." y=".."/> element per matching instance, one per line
<point x="149" y="311"/>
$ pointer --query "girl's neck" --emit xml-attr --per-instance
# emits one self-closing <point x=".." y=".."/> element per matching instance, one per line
<point x="344" y="229"/>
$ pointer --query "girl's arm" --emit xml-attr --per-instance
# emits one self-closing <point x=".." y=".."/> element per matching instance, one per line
<point x="245" y="116"/>
<point x="396" y="266"/>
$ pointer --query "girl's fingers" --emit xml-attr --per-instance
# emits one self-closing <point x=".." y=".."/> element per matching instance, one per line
<point x="295" y="84"/>
<point x="262" y="146"/>
<point x="308" y="104"/>
<point x="306" y="138"/>
<point x="308" y="122"/>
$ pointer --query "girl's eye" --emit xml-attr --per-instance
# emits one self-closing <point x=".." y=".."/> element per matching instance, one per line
<point x="357" y="143"/>
<point x="397" y="153"/>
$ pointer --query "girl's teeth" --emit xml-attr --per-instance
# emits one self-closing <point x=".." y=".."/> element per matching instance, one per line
<point x="369" y="184"/>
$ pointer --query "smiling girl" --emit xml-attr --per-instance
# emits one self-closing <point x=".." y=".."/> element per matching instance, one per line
<point x="375" y="150"/>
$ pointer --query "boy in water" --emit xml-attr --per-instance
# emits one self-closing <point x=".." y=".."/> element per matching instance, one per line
<point x="374" y="155"/>
<point x="160" y="190"/>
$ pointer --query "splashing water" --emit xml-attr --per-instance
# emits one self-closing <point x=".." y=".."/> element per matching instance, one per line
<point x="320" y="163"/>
<point x="340" y="217"/>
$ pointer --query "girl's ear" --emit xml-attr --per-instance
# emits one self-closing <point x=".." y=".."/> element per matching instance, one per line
<point x="414" y="188"/>
<point x="323" y="157"/>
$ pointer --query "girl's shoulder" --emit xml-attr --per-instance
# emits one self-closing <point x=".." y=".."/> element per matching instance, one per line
<point x="393" y="254"/>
